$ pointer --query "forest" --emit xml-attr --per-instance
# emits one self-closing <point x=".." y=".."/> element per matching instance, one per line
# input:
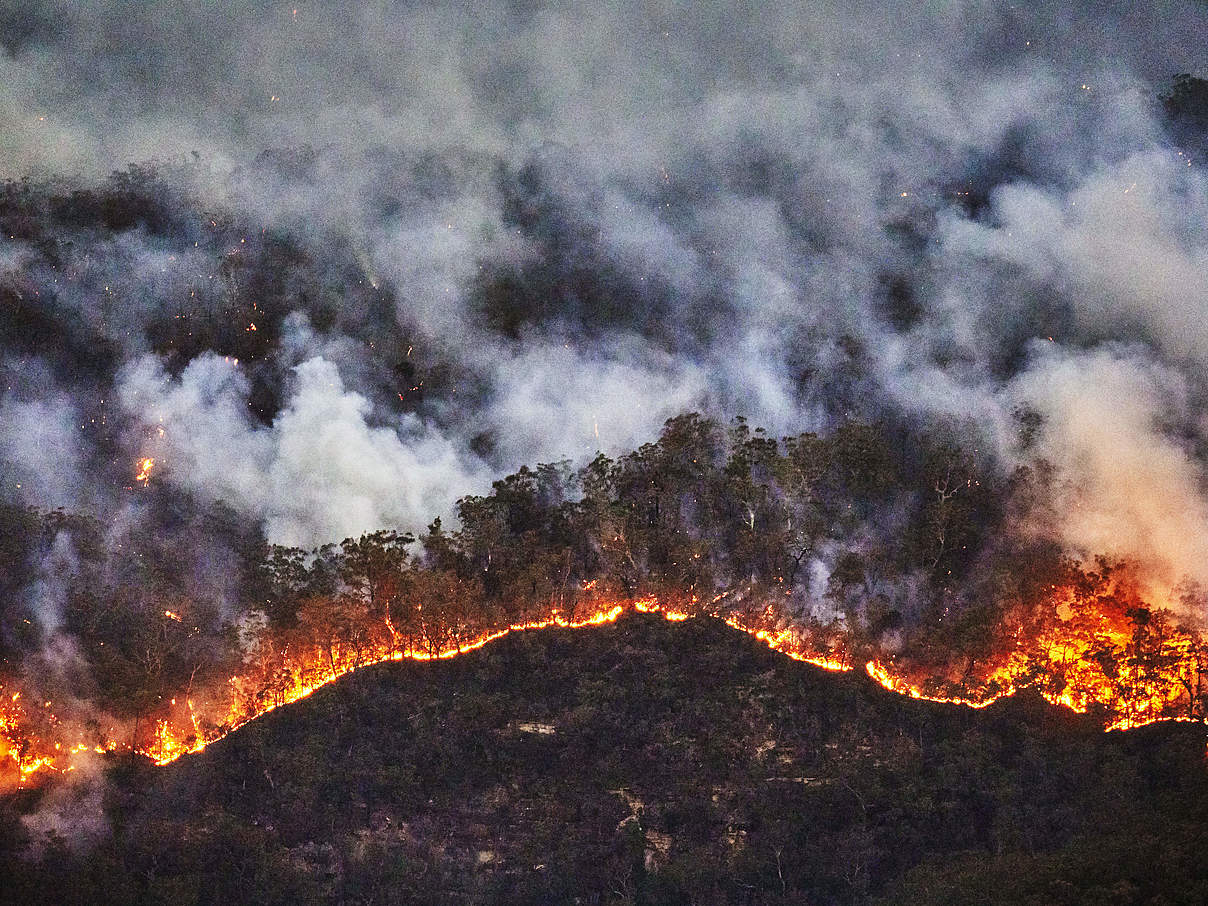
<point x="709" y="519"/>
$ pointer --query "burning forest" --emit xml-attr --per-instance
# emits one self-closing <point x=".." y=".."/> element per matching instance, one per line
<point x="334" y="337"/>
<point x="704" y="522"/>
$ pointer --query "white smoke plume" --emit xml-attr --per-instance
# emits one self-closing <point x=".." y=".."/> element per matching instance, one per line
<point x="319" y="472"/>
<point x="584" y="221"/>
<point x="1128" y="483"/>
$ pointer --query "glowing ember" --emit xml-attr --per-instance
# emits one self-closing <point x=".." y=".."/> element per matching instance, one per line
<point x="28" y="746"/>
<point x="145" y="465"/>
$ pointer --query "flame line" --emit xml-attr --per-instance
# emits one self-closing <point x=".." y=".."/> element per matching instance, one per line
<point x="168" y="746"/>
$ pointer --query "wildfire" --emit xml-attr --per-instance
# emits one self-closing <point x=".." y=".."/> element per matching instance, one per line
<point x="250" y="701"/>
<point x="1128" y="664"/>
<point x="27" y="745"/>
<point x="788" y="642"/>
<point x="145" y="465"/>
<point x="881" y="674"/>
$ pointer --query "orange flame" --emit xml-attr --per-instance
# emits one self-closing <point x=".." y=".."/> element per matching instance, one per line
<point x="1079" y="662"/>
<point x="145" y="465"/>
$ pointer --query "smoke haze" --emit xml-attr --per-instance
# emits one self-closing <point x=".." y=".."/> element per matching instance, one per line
<point x="386" y="253"/>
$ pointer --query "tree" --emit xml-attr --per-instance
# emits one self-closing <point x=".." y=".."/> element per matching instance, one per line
<point x="371" y="569"/>
<point x="758" y="523"/>
<point x="282" y="577"/>
<point x="600" y="527"/>
<point x="862" y="460"/>
<point x="958" y="507"/>
<point x="445" y="609"/>
<point x="338" y="626"/>
<point x="484" y="539"/>
<point x="800" y="474"/>
<point x="440" y="550"/>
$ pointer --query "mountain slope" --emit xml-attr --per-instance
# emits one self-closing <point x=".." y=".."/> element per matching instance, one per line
<point x="648" y="762"/>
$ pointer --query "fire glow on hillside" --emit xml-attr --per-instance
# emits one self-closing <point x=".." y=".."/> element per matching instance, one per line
<point x="1128" y="676"/>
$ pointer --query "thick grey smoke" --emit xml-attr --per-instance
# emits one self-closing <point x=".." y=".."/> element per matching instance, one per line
<point x="525" y="231"/>
<point x="318" y="473"/>
<point x="39" y="462"/>
<point x="1127" y="483"/>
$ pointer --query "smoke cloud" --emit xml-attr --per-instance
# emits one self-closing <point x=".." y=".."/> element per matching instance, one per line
<point x="378" y="255"/>
<point x="319" y="472"/>
<point x="1128" y="484"/>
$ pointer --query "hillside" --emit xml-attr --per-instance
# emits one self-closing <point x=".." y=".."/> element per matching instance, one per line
<point x="644" y="762"/>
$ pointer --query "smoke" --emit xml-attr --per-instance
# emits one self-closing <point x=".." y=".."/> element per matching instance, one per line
<point x="554" y="402"/>
<point x="49" y="593"/>
<point x="71" y="813"/>
<point x="387" y="253"/>
<point x="1125" y="247"/>
<point x="319" y="472"/>
<point x="1128" y="482"/>
<point x="333" y="266"/>
<point x="29" y="430"/>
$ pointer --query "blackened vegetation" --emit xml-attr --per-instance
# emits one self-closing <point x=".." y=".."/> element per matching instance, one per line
<point x="1186" y="106"/>
<point x="646" y="762"/>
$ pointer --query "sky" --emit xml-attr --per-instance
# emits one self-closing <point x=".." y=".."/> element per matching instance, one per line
<point x="573" y="221"/>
